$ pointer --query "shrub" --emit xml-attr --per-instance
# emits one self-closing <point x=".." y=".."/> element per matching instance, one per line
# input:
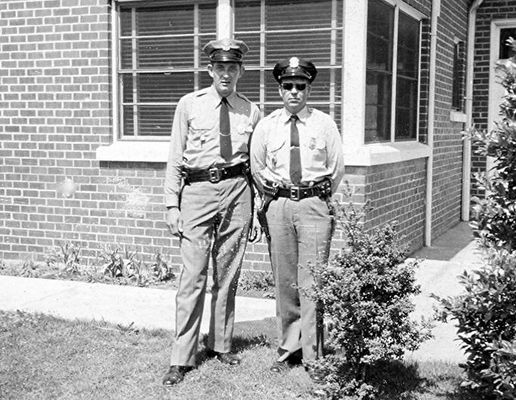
<point x="486" y="312"/>
<point x="65" y="257"/>
<point x="486" y="319"/>
<point x="365" y="292"/>
<point x="126" y="266"/>
<point x="495" y="214"/>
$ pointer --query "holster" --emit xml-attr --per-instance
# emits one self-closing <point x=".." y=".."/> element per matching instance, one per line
<point x="269" y="194"/>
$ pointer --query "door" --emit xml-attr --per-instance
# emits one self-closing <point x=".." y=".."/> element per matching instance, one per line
<point x="501" y="30"/>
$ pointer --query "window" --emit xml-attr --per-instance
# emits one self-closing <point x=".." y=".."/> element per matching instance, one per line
<point x="393" y="42"/>
<point x="506" y="51"/>
<point x="160" y="60"/>
<point x="277" y="29"/>
<point x="458" y="76"/>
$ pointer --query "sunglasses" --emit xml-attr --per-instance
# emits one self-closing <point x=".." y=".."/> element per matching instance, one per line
<point x="289" y="86"/>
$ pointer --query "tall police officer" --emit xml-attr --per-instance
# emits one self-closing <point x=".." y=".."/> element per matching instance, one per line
<point x="297" y="162"/>
<point x="208" y="198"/>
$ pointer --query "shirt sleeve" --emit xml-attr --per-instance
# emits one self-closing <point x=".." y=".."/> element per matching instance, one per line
<point x="335" y="156"/>
<point x="175" y="155"/>
<point x="258" y="153"/>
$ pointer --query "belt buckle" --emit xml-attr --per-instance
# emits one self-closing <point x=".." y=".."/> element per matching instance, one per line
<point x="295" y="193"/>
<point x="215" y="175"/>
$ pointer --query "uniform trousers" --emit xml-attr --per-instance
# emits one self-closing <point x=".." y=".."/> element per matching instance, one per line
<point x="216" y="220"/>
<point x="300" y="234"/>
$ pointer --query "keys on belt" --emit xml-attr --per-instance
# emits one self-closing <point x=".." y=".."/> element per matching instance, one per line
<point x="214" y="174"/>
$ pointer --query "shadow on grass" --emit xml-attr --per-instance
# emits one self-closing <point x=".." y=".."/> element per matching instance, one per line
<point x="412" y="381"/>
<point x="397" y="380"/>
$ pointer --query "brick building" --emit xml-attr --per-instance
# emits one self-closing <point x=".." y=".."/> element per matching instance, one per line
<point x="88" y="89"/>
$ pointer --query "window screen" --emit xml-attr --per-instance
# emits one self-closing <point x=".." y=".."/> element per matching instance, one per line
<point x="279" y="29"/>
<point x="160" y="60"/>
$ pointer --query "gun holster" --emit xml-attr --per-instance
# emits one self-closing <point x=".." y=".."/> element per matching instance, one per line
<point x="269" y="193"/>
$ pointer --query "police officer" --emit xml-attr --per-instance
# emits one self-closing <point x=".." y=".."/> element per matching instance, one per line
<point x="297" y="162"/>
<point x="208" y="198"/>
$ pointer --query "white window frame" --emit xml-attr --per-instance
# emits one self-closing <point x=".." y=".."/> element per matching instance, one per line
<point x="356" y="151"/>
<point x="153" y="149"/>
<point x="354" y="41"/>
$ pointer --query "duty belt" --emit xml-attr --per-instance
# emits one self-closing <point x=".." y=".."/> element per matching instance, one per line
<point x="296" y="193"/>
<point x="214" y="174"/>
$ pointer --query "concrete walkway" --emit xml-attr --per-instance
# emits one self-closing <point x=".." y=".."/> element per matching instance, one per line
<point x="149" y="308"/>
<point x="448" y="257"/>
<point x="124" y="305"/>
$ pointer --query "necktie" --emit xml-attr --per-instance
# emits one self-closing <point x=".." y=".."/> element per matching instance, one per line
<point x="225" y="131"/>
<point x="295" y="155"/>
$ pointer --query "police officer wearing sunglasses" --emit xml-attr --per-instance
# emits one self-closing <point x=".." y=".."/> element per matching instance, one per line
<point x="297" y="163"/>
<point x="209" y="202"/>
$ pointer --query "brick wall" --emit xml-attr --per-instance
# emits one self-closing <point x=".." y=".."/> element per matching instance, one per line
<point x="55" y="110"/>
<point x="448" y="144"/>
<point x="395" y="192"/>
<point x="488" y="11"/>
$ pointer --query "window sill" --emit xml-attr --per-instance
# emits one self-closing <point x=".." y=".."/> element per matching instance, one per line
<point x="458" y="116"/>
<point x="385" y="153"/>
<point x="134" y="151"/>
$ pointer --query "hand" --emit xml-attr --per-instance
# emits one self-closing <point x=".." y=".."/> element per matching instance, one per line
<point x="255" y="234"/>
<point x="174" y="221"/>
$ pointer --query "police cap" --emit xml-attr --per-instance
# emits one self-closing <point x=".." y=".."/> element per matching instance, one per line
<point x="225" y="50"/>
<point x="294" y="68"/>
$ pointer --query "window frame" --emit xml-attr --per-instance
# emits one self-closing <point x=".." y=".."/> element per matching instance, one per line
<point x="135" y="72"/>
<point x="400" y="6"/>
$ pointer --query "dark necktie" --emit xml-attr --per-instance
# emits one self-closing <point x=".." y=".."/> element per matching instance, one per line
<point x="225" y="131"/>
<point x="295" y="154"/>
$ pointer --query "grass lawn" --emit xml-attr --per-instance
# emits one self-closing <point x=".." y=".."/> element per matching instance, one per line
<point x="43" y="357"/>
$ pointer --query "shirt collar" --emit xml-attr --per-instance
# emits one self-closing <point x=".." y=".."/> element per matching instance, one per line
<point x="302" y="115"/>
<point x="217" y="97"/>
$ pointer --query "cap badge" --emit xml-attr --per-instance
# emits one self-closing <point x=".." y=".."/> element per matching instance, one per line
<point x="293" y="62"/>
<point x="226" y="45"/>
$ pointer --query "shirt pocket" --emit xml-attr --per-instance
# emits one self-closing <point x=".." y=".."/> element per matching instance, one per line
<point x="240" y="137"/>
<point x="317" y="149"/>
<point x="199" y="132"/>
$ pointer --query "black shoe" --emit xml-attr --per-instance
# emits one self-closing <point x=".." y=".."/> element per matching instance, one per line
<point x="224" y="358"/>
<point x="314" y="375"/>
<point x="280" y="366"/>
<point x="175" y="374"/>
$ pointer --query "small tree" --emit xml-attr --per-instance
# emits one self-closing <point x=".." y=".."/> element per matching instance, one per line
<point x="486" y="312"/>
<point x="495" y="214"/>
<point x="365" y="292"/>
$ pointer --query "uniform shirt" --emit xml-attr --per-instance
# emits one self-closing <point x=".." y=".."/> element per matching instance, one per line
<point x="319" y="142"/>
<point x="195" y="135"/>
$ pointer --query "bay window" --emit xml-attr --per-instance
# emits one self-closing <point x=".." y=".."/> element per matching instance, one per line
<point x="366" y="52"/>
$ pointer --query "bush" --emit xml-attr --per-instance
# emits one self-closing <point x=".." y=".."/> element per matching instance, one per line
<point x="495" y="214"/>
<point x="365" y="293"/>
<point x="486" y="312"/>
<point x="486" y="319"/>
